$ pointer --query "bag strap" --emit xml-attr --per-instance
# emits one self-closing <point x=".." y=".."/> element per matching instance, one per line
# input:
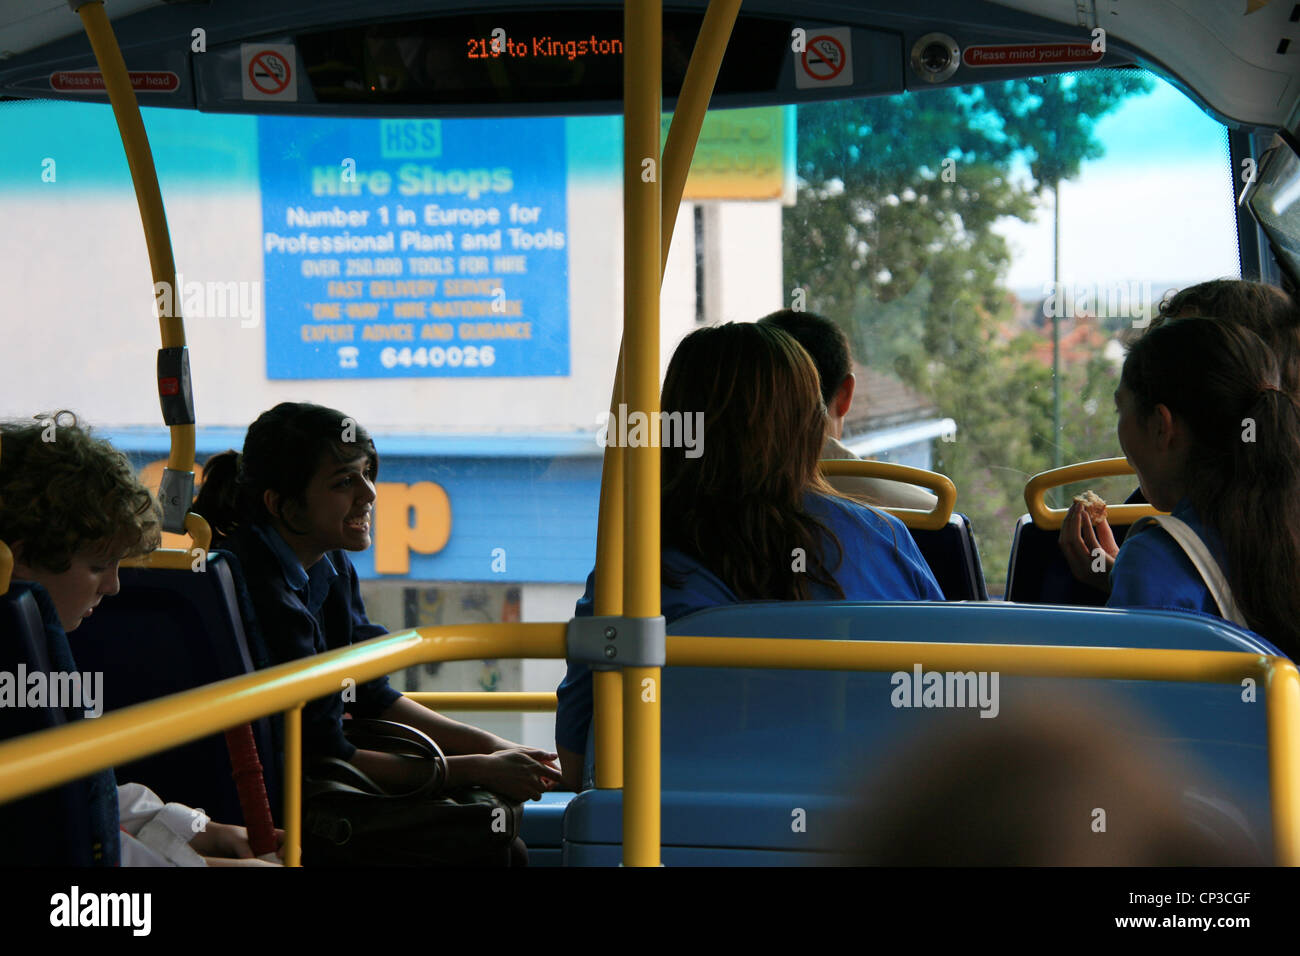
<point x="388" y="736"/>
<point x="1208" y="568"/>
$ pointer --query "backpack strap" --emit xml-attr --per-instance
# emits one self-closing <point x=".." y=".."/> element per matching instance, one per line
<point x="1208" y="568"/>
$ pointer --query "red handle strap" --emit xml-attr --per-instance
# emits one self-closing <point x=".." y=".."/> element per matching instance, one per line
<point x="246" y="768"/>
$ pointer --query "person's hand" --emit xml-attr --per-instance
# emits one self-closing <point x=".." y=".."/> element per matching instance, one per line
<point x="228" y="840"/>
<point x="541" y="756"/>
<point x="1089" y="551"/>
<point x="522" y="773"/>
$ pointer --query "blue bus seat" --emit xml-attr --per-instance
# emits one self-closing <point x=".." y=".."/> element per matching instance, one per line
<point x="56" y="827"/>
<point x="1038" y="573"/>
<point x="954" y="559"/>
<point x="744" y="749"/>
<point x="167" y="631"/>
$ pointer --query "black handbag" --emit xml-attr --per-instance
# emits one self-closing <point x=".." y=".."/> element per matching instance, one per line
<point x="349" y="820"/>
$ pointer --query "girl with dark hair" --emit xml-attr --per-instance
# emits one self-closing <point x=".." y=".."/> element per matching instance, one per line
<point x="290" y="507"/>
<point x="1215" y="439"/>
<point x="746" y="515"/>
<point x="1263" y="309"/>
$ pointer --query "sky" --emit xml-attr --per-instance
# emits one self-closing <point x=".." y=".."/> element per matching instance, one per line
<point x="1156" y="207"/>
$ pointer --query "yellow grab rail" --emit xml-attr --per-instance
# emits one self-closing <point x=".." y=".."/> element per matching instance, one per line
<point x="293" y="785"/>
<point x="38" y="761"/>
<point x="1277" y="674"/>
<point x="1050" y="519"/>
<point x="688" y="116"/>
<point x="148" y="196"/>
<point x="180" y="559"/>
<point x="42" y="760"/>
<point x="6" y="567"/>
<point x="941" y="485"/>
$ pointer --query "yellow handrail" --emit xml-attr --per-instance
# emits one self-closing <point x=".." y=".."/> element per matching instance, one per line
<point x="117" y="82"/>
<point x="32" y="763"/>
<point x="1277" y="674"/>
<point x="180" y="559"/>
<point x="1050" y="519"/>
<point x="941" y="485"/>
<point x="683" y="134"/>
<point x="38" y="761"/>
<point x="6" y="567"/>
<point x="692" y="105"/>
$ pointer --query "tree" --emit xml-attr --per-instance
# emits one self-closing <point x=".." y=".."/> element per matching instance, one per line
<point x="892" y="235"/>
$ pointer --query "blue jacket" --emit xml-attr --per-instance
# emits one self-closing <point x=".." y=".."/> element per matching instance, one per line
<point x="881" y="562"/>
<point x="76" y="823"/>
<point x="1152" y="571"/>
<point x="301" y="613"/>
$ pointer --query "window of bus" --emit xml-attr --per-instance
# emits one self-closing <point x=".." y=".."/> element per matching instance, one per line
<point x="455" y="287"/>
<point x="925" y="224"/>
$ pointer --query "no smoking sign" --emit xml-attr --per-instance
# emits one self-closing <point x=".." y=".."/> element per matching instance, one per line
<point x="826" y="60"/>
<point x="269" y="71"/>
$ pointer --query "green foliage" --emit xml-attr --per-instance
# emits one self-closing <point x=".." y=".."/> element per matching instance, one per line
<point x="898" y="246"/>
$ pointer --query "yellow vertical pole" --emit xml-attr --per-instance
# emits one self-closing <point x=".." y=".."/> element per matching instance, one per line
<point x="688" y="118"/>
<point x="692" y="104"/>
<point x="293" y="786"/>
<point x="1282" y="699"/>
<point x="607" y="686"/>
<point x="642" y="69"/>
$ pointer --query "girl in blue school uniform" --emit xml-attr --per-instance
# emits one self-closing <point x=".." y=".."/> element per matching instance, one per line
<point x="1265" y="310"/>
<point x="290" y="507"/>
<point x="746" y="515"/>
<point x="1214" y="438"/>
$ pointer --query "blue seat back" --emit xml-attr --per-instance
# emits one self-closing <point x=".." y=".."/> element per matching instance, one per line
<point x="169" y="631"/>
<point x="735" y="741"/>
<point x="1038" y="573"/>
<point x="66" y="825"/>
<point x="954" y="559"/>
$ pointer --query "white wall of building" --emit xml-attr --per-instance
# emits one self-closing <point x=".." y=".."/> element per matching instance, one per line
<point x="81" y="332"/>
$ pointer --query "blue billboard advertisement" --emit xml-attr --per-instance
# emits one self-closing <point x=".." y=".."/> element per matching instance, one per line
<point x="412" y="248"/>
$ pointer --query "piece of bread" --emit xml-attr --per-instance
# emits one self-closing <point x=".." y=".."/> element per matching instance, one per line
<point x="1093" y="506"/>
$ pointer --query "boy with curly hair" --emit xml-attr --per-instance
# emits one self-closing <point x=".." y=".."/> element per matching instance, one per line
<point x="71" y="509"/>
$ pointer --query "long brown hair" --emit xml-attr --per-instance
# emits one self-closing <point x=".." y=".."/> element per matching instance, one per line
<point x="737" y="506"/>
<point x="1243" y="466"/>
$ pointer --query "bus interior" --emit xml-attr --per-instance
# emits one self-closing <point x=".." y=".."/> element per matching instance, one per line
<point x="432" y="212"/>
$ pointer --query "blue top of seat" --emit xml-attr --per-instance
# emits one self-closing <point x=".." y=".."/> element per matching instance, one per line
<point x="954" y="558"/>
<point x="168" y="631"/>
<point x="754" y="731"/>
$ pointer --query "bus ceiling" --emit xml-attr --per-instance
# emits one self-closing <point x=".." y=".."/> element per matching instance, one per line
<point x="422" y="57"/>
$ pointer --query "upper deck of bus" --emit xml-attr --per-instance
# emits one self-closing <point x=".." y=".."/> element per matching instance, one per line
<point x="310" y="73"/>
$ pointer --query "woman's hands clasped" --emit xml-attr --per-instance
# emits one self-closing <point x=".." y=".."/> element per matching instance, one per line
<point x="520" y="773"/>
<point x="1089" y="550"/>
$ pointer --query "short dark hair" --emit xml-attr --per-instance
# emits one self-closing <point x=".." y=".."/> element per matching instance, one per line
<point x="1265" y="309"/>
<point x="823" y="340"/>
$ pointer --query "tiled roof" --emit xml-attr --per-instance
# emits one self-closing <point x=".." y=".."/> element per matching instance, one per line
<point x="882" y="401"/>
